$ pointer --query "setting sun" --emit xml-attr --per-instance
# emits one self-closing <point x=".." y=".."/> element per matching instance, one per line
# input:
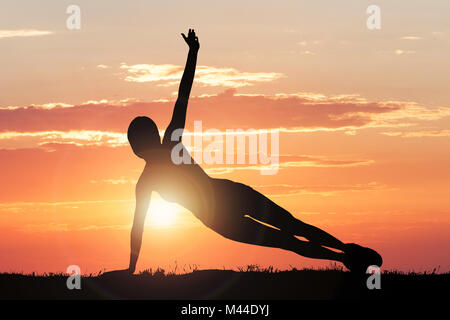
<point x="161" y="213"/>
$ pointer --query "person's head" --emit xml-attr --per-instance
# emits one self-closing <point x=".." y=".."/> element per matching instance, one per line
<point x="143" y="136"/>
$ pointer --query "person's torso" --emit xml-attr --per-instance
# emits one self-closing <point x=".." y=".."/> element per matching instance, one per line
<point x="185" y="183"/>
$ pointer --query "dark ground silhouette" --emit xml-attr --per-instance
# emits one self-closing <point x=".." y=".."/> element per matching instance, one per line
<point x="227" y="284"/>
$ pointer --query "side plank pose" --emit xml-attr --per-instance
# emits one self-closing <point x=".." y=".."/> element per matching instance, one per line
<point x="231" y="209"/>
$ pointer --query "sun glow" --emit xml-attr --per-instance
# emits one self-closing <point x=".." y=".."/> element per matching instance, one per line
<point x="161" y="213"/>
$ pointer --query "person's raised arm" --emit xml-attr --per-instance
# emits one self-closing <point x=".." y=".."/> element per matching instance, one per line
<point x="143" y="195"/>
<point x="179" y="111"/>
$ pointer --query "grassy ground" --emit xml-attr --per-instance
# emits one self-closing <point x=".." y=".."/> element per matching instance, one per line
<point x="246" y="283"/>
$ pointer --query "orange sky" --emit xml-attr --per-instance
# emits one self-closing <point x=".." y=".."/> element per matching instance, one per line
<point x="364" y="120"/>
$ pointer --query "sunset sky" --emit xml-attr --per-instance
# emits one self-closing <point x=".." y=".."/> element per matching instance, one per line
<point x="363" y="118"/>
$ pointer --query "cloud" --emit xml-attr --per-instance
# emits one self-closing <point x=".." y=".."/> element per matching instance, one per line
<point x="103" y="66"/>
<point x="43" y="228"/>
<point x="64" y="227"/>
<point x="168" y="75"/>
<point x="321" y="161"/>
<point x="151" y="72"/>
<point x="48" y="139"/>
<point x="411" y="38"/>
<point x="104" y="121"/>
<point x="418" y="134"/>
<point x="307" y="52"/>
<point x="50" y="105"/>
<point x="304" y="43"/>
<point x="5" y="205"/>
<point x="115" y="181"/>
<point x="23" y="33"/>
<point x="58" y="105"/>
<point x="291" y="161"/>
<point x="105" y="227"/>
<point x="409" y="112"/>
<point x="400" y="52"/>
<point x="325" y="190"/>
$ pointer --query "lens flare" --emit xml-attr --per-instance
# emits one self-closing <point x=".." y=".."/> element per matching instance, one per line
<point x="161" y="213"/>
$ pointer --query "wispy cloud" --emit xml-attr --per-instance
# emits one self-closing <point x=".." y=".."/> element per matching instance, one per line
<point x="15" y="140"/>
<point x="6" y="205"/>
<point x="103" y="66"/>
<point x="50" y="105"/>
<point x="307" y="52"/>
<point x="42" y="228"/>
<point x="115" y="181"/>
<point x="410" y="111"/>
<point x="23" y="33"/>
<point x="418" y="134"/>
<point x="304" y="43"/>
<point x="168" y="75"/>
<point x="400" y="52"/>
<point x="59" y="105"/>
<point x="411" y="38"/>
<point x="324" y="190"/>
<point x="292" y="161"/>
<point x="64" y="227"/>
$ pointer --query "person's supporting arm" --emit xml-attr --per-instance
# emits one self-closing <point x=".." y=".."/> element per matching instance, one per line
<point x="179" y="112"/>
<point x="143" y="195"/>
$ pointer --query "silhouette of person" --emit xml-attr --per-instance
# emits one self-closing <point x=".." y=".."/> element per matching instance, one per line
<point x="232" y="209"/>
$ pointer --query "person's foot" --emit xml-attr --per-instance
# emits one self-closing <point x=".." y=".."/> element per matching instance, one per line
<point x="358" y="258"/>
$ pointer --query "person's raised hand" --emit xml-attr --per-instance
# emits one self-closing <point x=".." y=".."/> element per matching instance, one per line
<point x="191" y="40"/>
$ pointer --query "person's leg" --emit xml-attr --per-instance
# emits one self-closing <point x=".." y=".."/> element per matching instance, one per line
<point x="263" y="209"/>
<point x="249" y="231"/>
